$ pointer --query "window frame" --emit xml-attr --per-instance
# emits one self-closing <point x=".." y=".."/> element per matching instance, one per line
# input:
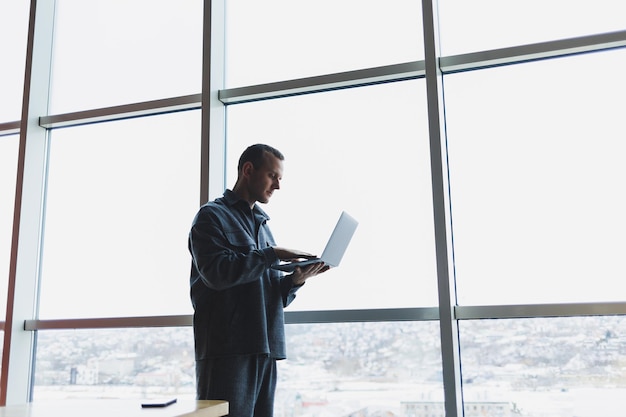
<point x="22" y="324"/>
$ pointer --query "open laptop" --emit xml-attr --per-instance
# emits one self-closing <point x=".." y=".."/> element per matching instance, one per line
<point x="335" y="248"/>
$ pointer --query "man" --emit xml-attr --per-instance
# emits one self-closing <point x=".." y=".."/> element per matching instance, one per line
<point x="238" y="298"/>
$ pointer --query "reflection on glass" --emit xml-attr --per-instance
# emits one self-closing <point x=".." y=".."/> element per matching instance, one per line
<point x="536" y="176"/>
<point x="111" y="52"/>
<point x="546" y="366"/>
<point x="280" y="39"/>
<point x="472" y="26"/>
<point x="362" y="150"/>
<point x="121" y="198"/>
<point x="8" y="171"/>
<point x="13" y="33"/>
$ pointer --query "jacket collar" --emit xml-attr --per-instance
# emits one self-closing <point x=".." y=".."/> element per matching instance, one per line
<point x="234" y="200"/>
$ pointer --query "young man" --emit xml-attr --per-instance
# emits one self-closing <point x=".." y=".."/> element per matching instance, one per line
<point x="238" y="298"/>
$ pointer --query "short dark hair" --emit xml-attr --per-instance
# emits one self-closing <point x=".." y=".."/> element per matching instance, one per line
<point x="255" y="154"/>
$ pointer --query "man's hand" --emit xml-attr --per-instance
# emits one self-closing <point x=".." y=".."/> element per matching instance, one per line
<point x="301" y="274"/>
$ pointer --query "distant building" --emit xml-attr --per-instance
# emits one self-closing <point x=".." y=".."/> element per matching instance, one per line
<point x="115" y="368"/>
<point x="472" y="409"/>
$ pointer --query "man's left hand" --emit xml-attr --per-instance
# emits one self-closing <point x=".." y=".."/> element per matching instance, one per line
<point x="302" y="273"/>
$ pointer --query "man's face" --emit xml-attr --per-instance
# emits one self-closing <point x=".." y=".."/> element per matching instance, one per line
<point x="266" y="179"/>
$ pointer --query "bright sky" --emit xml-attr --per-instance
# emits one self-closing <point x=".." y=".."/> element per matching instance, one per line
<point x="535" y="158"/>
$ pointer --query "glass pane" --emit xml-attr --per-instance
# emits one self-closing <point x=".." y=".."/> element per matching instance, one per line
<point x="121" y="196"/>
<point x="359" y="369"/>
<point x="281" y="39"/>
<point x="545" y="366"/>
<point x="470" y="26"/>
<point x="332" y="369"/>
<point x="536" y="157"/>
<point x="13" y="37"/>
<point x="114" y="363"/>
<point x="9" y="149"/>
<point x="364" y="151"/>
<point x="111" y="52"/>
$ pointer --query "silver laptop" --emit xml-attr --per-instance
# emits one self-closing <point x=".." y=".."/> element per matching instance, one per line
<point x="335" y="248"/>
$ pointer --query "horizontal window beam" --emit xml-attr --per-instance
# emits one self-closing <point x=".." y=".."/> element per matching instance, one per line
<point x="329" y="82"/>
<point x="330" y="316"/>
<point x="109" y="322"/>
<point x="344" y="316"/>
<point x="349" y="79"/>
<point x="10" y="128"/>
<point x="127" y="111"/>
<point x="414" y="70"/>
<point x="533" y="52"/>
<point x="347" y="316"/>
<point x="539" y="310"/>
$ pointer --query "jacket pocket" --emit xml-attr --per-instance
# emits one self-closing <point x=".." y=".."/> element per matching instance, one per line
<point x="240" y="239"/>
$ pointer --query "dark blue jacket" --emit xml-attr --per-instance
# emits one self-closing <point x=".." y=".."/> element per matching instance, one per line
<point x="238" y="300"/>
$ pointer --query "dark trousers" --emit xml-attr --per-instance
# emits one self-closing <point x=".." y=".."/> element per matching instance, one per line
<point x="248" y="383"/>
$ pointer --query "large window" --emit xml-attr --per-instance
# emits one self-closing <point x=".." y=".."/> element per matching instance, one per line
<point x="536" y="180"/>
<point x="109" y="53"/>
<point x="367" y="368"/>
<point x="486" y="175"/>
<point x="489" y="24"/>
<point x="13" y="31"/>
<point x="8" y="166"/>
<point x="546" y="366"/>
<point x="121" y="197"/>
<point x="345" y="150"/>
<point x="340" y="367"/>
<point x="280" y="40"/>
<point x="120" y="363"/>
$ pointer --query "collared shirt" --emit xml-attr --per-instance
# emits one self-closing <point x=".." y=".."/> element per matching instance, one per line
<point x="238" y="299"/>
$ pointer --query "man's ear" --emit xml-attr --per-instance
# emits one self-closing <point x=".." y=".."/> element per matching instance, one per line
<point x="247" y="169"/>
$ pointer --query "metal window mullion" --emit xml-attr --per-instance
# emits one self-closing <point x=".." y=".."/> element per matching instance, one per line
<point x="213" y="131"/>
<point x="453" y="395"/>
<point x="19" y="344"/>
